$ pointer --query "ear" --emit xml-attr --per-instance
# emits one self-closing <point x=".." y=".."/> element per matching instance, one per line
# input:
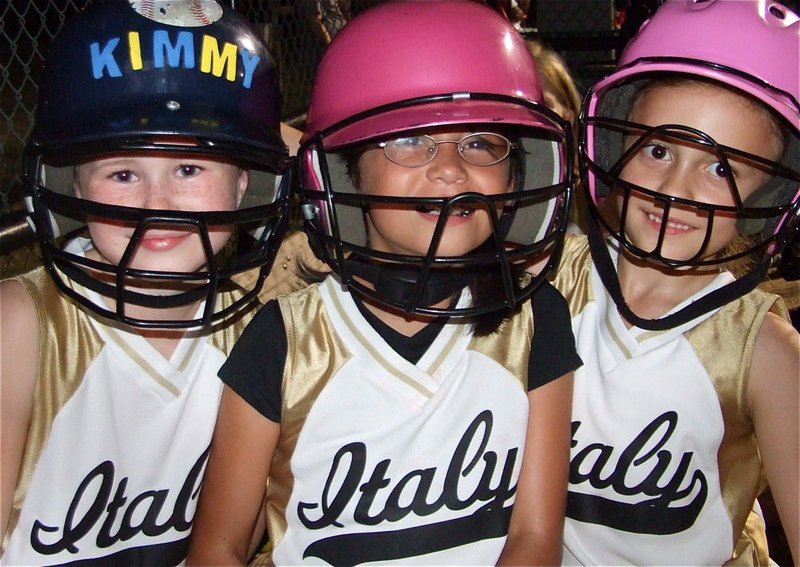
<point x="243" y="181"/>
<point x="76" y="182"/>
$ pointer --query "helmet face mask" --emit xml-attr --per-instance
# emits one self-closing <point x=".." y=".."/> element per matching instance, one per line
<point x="478" y="77"/>
<point x="97" y="101"/>
<point x="760" y="216"/>
<point x="113" y="288"/>
<point x="527" y="221"/>
<point x="763" y="214"/>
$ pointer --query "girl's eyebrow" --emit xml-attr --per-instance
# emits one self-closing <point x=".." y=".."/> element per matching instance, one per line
<point x="112" y="162"/>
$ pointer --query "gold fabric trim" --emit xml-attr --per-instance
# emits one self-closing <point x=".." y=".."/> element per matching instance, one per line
<point x="67" y="345"/>
<point x="617" y="339"/>
<point x="573" y="275"/>
<point x="314" y="355"/>
<point x="510" y="345"/>
<point x="443" y="354"/>
<point x="288" y="274"/>
<point x="724" y="344"/>
<point x="751" y="548"/>
<point x="142" y="362"/>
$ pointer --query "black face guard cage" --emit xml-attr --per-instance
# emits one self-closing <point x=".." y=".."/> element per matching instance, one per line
<point x="413" y="283"/>
<point x="763" y="220"/>
<point x="774" y="223"/>
<point x="257" y="232"/>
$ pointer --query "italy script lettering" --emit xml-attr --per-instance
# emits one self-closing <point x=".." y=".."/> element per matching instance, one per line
<point x="93" y="497"/>
<point x="603" y="467"/>
<point x="417" y="484"/>
<point x="492" y="482"/>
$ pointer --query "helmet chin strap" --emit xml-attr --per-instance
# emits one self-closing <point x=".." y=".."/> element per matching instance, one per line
<point x="714" y="300"/>
<point x="399" y="284"/>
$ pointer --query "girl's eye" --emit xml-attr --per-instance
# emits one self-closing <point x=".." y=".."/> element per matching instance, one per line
<point x="484" y="148"/>
<point x="124" y="176"/>
<point x="656" y="151"/>
<point x="718" y="169"/>
<point x="188" y="170"/>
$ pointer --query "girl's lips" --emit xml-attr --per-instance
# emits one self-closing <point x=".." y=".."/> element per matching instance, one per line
<point x="163" y="243"/>
<point x="456" y="214"/>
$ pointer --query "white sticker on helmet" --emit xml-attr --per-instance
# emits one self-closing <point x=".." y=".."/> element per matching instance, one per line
<point x="182" y="13"/>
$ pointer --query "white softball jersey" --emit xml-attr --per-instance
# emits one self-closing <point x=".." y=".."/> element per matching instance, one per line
<point x="381" y="459"/>
<point x="664" y="467"/>
<point x="118" y="440"/>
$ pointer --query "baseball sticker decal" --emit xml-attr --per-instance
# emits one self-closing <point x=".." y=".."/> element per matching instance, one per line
<point x="183" y="13"/>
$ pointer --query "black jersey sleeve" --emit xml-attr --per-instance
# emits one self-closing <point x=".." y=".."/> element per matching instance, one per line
<point x="553" y="351"/>
<point x="254" y="369"/>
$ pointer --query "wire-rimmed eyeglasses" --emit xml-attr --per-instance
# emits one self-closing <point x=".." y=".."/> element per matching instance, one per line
<point x="479" y="148"/>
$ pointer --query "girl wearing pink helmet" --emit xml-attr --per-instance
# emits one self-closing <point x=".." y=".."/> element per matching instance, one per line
<point x="687" y="404"/>
<point x="391" y="416"/>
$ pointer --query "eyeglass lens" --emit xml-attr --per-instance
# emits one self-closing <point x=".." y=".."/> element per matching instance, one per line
<point x="481" y="148"/>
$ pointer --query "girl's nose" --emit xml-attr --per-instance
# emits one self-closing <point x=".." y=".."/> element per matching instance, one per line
<point x="157" y="195"/>
<point x="676" y="182"/>
<point x="447" y="166"/>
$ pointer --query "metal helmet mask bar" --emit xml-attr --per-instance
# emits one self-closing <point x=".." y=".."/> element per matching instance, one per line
<point x="697" y="40"/>
<point x="181" y="79"/>
<point x="441" y="65"/>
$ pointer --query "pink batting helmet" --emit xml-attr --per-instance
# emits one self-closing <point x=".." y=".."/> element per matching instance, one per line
<point x="750" y="46"/>
<point x="409" y="67"/>
<point x="391" y="54"/>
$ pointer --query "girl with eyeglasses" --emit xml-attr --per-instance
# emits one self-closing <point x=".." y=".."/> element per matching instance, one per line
<point x="418" y="392"/>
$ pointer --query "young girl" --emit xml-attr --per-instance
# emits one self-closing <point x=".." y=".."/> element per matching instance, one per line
<point x="388" y="421"/>
<point x="156" y="139"/>
<point x="688" y="400"/>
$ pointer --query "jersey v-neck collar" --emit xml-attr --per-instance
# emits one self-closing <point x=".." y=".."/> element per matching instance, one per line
<point x="411" y="348"/>
<point x="625" y="343"/>
<point x="414" y="383"/>
<point x="168" y="376"/>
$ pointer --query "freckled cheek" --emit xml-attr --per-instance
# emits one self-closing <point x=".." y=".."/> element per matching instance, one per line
<point x="206" y="199"/>
<point x="110" y="196"/>
<point x="109" y="238"/>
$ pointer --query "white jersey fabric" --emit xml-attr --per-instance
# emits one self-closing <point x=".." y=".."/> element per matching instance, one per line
<point x="380" y="459"/>
<point x="119" y="436"/>
<point x="664" y="462"/>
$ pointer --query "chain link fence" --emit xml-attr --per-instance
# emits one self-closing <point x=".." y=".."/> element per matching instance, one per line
<point x="296" y="32"/>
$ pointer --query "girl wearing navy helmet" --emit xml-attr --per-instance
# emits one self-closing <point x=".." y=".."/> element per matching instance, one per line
<point x="153" y="173"/>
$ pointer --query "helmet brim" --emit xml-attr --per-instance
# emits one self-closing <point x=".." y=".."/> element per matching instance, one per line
<point x="779" y="101"/>
<point x="437" y="114"/>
